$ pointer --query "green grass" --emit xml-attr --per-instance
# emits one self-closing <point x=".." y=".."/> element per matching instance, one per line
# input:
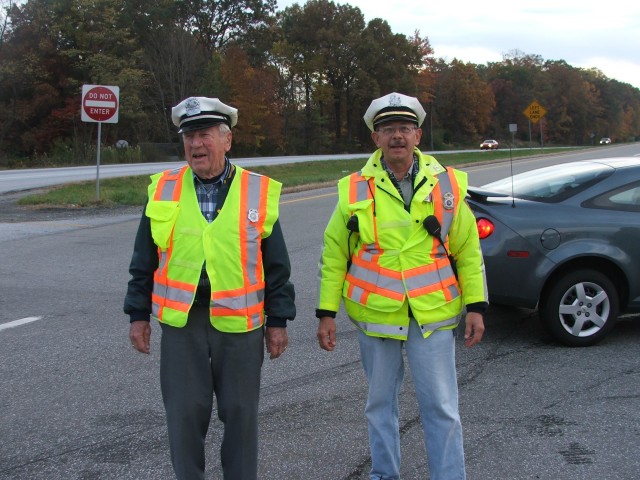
<point x="133" y="190"/>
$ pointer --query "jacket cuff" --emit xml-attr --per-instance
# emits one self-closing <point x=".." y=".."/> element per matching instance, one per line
<point x="277" y="322"/>
<point x="136" y="316"/>
<point x="325" y="313"/>
<point x="478" y="307"/>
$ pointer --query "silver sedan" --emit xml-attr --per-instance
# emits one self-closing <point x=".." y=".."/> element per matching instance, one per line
<point x="565" y="240"/>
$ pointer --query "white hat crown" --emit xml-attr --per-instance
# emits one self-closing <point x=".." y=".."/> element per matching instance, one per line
<point x="194" y="113"/>
<point x="394" y="106"/>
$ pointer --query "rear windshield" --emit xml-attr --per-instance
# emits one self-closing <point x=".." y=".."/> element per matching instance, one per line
<point x="551" y="184"/>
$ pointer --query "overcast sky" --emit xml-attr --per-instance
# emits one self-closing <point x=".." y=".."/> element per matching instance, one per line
<point x="585" y="33"/>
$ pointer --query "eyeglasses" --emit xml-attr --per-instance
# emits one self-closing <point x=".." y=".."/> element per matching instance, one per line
<point x="404" y="130"/>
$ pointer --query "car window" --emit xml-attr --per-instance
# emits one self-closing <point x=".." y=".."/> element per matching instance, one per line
<point x="551" y="184"/>
<point x="625" y="198"/>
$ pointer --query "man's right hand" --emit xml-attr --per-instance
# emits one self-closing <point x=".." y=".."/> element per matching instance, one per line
<point x="327" y="333"/>
<point x="140" y="335"/>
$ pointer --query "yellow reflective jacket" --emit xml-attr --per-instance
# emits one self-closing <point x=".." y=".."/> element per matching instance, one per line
<point x="230" y="245"/>
<point x="392" y="263"/>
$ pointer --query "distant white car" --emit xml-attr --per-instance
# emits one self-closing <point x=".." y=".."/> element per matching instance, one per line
<point x="605" y="141"/>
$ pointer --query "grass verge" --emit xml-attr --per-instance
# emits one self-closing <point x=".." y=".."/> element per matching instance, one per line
<point x="132" y="191"/>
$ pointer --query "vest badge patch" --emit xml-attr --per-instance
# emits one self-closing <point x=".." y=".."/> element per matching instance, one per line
<point x="253" y="215"/>
<point x="448" y="200"/>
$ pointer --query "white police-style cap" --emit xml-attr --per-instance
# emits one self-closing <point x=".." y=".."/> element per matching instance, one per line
<point x="394" y="107"/>
<point x="195" y="113"/>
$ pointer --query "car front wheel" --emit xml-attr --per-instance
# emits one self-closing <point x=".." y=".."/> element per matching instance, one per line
<point x="580" y="308"/>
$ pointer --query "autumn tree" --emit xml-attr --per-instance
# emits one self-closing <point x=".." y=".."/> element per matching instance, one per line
<point x="463" y="101"/>
<point x="218" y="23"/>
<point x="252" y="92"/>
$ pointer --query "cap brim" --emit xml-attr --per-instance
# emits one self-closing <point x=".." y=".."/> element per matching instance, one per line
<point x="199" y="124"/>
<point x="396" y="118"/>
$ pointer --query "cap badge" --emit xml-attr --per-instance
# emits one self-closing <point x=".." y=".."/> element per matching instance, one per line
<point x="448" y="200"/>
<point x="192" y="106"/>
<point x="395" y="100"/>
<point x="253" y="215"/>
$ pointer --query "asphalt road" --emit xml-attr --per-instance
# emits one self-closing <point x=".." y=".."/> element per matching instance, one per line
<point x="77" y="402"/>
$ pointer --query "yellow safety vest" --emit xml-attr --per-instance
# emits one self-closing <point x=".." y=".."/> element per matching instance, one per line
<point x="394" y="263"/>
<point x="230" y="245"/>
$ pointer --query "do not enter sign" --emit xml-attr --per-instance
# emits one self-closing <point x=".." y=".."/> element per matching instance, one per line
<point x="100" y="103"/>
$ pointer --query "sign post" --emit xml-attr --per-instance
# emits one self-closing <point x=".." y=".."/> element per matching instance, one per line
<point x="99" y="105"/>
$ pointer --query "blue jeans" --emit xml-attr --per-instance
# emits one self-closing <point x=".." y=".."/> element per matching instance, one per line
<point x="432" y="363"/>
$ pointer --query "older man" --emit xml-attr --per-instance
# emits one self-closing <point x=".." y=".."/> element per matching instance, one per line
<point x="401" y="250"/>
<point x="210" y="263"/>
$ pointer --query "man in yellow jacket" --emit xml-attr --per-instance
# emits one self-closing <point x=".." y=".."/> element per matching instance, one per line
<point x="211" y="265"/>
<point x="402" y="252"/>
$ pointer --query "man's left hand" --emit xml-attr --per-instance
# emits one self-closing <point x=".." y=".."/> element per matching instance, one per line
<point x="277" y="340"/>
<point x="474" y="328"/>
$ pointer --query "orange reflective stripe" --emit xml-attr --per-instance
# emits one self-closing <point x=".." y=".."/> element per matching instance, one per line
<point x="170" y="185"/>
<point x="451" y="292"/>
<point x="436" y="248"/>
<point x="429" y="278"/>
<point x="255" y="189"/>
<point x="254" y="314"/>
<point x="357" y="294"/>
<point x="360" y="188"/>
<point x="448" y="214"/>
<point x="374" y="279"/>
<point x="447" y="184"/>
<point x="232" y="312"/>
<point x="248" y="300"/>
<point x="169" y="293"/>
<point x="237" y="292"/>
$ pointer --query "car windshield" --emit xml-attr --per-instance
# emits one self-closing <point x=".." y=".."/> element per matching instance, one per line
<point x="551" y="184"/>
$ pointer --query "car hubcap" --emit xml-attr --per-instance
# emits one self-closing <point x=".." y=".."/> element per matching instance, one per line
<point x="584" y="309"/>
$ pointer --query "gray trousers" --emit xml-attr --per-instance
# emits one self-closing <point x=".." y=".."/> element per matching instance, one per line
<point x="196" y="362"/>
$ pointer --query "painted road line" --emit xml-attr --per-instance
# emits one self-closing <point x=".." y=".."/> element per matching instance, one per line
<point x="17" y="323"/>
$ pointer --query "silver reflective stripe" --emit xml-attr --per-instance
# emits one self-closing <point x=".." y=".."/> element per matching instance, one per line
<point x="376" y="278"/>
<point x="368" y="251"/>
<point x="162" y="260"/>
<point x="155" y="310"/>
<point x="255" y="320"/>
<point x="381" y="328"/>
<point x="357" y="294"/>
<point x="447" y="215"/>
<point x="239" y="302"/>
<point x="170" y="185"/>
<point x="423" y="280"/>
<point x="449" y="322"/>
<point x="179" y="295"/>
<point x="362" y="189"/>
<point x="253" y="202"/>
<point x="401" y="330"/>
<point x="159" y="290"/>
<point x="453" y="290"/>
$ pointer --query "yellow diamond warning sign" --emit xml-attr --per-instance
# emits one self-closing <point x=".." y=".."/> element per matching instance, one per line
<point x="534" y="112"/>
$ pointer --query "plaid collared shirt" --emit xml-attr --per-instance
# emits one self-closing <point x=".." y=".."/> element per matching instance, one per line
<point x="208" y="192"/>
<point x="403" y="185"/>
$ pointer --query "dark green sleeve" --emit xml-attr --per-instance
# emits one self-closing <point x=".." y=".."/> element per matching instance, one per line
<point x="144" y="262"/>
<point x="279" y="299"/>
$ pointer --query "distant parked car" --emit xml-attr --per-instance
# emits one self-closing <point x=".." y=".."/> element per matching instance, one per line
<point x="489" y="145"/>
<point x="565" y="240"/>
<point x="605" y="141"/>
